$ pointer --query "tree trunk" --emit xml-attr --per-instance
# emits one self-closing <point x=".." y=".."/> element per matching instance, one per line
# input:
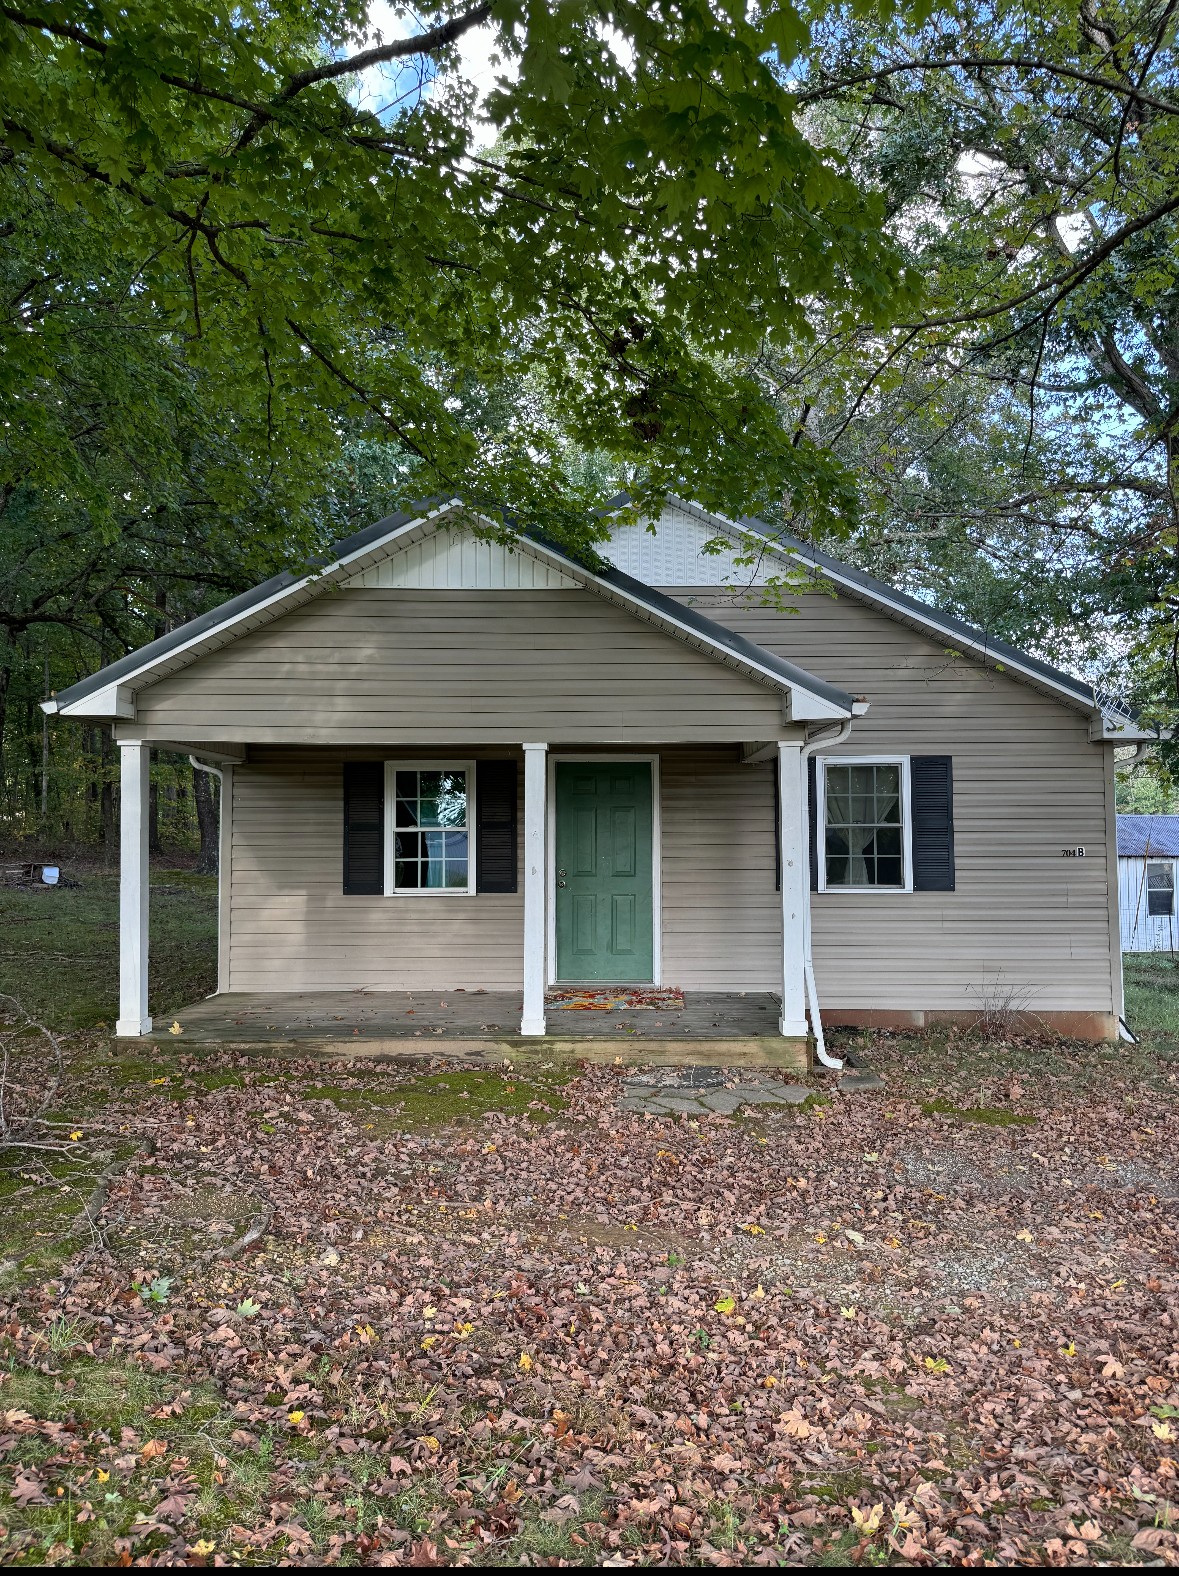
<point x="5" y="679"/>
<point x="107" y="791"/>
<point x="207" y="820"/>
<point x="45" y="750"/>
<point x="153" y="819"/>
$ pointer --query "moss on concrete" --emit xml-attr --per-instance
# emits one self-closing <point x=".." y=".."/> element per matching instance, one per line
<point x="987" y="1115"/>
<point x="441" y="1098"/>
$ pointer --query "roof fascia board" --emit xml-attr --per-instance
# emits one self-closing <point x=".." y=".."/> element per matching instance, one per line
<point x="1103" y="731"/>
<point x="113" y="700"/>
<point x="908" y="610"/>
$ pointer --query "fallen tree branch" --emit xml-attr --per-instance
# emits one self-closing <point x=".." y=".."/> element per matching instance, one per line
<point x="260" y="1226"/>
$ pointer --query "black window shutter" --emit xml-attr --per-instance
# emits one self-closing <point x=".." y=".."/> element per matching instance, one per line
<point x="932" y="782"/>
<point x="813" y="826"/>
<point x="495" y="826"/>
<point x="364" y="827"/>
<point x="777" y="826"/>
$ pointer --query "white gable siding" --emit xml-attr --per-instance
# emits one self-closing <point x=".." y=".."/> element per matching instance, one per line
<point x="457" y="561"/>
<point x="1143" y="932"/>
<point x="673" y="555"/>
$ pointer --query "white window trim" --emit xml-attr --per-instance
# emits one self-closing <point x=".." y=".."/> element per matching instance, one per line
<point x="1166" y="864"/>
<point x="902" y="761"/>
<point x="391" y="768"/>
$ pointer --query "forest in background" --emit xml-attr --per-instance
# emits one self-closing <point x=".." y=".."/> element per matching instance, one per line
<point x="901" y="281"/>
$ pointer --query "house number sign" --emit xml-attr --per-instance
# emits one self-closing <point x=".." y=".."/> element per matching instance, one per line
<point x="1073" y="853"/>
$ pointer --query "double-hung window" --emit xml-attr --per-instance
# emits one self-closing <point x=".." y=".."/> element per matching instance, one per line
<point x="1160" y="888"/>
<point x="430" y="813"/>
<point x="865" y="825"/>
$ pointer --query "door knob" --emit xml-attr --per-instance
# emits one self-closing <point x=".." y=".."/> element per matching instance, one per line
<point x="560" y="883"/>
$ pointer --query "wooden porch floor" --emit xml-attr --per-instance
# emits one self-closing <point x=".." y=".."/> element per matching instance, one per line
<point x="710" y="1027"/>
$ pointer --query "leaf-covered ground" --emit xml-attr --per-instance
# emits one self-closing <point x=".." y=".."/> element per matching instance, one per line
<point x="498" y="1320"/>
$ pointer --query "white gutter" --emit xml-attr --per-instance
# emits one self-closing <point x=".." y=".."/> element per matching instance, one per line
<point x="203" y="766"/>
<point x="808" y="965"/>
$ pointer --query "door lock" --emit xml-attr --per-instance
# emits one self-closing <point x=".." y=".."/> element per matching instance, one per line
<point x="560" y="883"/>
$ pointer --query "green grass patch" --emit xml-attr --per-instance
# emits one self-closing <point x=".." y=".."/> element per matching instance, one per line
<point x="39" y="1220"/>
<point x="1152" y="994"/>
<point x="986" y="1115"/>
<point x="103" y="1398"/>
<point x="441" y="1098"/>
<point x="60" y="952"/>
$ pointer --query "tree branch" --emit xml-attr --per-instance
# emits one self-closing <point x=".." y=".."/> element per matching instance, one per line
<point x="1009" y="63"/>
<point x="426" y="43"/>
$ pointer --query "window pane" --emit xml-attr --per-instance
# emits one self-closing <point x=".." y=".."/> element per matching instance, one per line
<point x="1160" y="890"/>
<point x="863" y="834"/>
<point x="452" y="799"/>
<point x="838" y="798"/>
<point x="408" y="845"/>
<point x="437" y="856"/>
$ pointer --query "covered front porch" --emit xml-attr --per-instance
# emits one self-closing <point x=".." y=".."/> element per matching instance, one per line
<point x="680" y="845"/>
<point x="709" y="1028"/>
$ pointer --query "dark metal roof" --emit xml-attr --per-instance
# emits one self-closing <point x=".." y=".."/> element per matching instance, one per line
<point x="1146" y="836"/>
<point x="663" y="606"/>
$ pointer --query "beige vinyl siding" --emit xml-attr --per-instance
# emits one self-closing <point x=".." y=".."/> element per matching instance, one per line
<point x="427" y="667"/>
<point x="722" y="918"/>
<point x="1027" y="784"/>
<point x="292" y="928"/>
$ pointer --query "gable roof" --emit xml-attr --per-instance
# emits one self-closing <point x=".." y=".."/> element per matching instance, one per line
<point x="110" y="692"/>
<point x="1144" y="836"/>
<point x="1114" y="721"/>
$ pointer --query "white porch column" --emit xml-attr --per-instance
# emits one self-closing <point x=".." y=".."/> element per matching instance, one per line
<point x="795" y="887"/>
<point x="535" y="885"/>
<point x="135" y="767"/>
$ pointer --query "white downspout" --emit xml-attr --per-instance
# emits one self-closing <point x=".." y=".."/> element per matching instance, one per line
<point x="203" y="766"/>
<point x="808" y="966"/>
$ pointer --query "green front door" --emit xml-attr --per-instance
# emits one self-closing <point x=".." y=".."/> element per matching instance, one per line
<point x="604" y="876"/>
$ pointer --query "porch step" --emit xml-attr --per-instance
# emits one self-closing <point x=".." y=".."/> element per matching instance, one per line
<point x="792" y="1055"/>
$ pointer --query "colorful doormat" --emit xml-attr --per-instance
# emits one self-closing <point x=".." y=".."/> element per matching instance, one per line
<point x="617" y="998"/>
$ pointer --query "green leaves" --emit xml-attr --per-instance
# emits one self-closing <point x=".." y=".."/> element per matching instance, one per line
<point x="325" y="264"/>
